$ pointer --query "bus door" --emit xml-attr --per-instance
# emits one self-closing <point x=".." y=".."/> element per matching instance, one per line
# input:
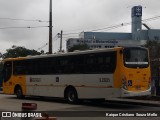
<point x="7" y="72"/>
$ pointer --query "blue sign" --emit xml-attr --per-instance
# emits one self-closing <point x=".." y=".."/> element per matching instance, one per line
<point x="137" y="11"/>
<point x="129" y="82"/>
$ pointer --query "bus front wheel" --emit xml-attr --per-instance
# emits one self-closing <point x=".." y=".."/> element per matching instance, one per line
<point x="71" y="96"/>
<point x="19" y="93"/>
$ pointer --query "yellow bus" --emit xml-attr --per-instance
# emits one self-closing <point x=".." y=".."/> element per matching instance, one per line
<point x="92" y="74"/>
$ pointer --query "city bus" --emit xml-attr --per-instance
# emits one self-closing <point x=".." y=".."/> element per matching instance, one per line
<point x="92" y="74"/>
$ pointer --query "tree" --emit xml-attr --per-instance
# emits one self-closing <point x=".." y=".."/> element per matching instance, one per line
<point x="154" y="53"/>
<point x="79" y="47"/>
<point x="19" y="51"/>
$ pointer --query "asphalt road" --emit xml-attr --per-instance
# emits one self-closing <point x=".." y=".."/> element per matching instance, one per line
<point x="83" y="111"/>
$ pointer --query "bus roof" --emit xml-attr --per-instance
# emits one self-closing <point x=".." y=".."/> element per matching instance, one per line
<point x="64" y="54"/>
<point x="14" y="59"/>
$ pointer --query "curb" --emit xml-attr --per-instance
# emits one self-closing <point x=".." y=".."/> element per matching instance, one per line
<point x="136" y="102"/>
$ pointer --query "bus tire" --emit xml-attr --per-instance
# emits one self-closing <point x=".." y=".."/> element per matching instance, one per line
<point x="71" y="96"/>
<point x="19" y="93"/>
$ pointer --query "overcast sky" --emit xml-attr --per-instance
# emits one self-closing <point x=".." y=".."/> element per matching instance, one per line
<point x="71" y="16"/>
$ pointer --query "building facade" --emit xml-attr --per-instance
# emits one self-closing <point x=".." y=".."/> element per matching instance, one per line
<point x="94" y="43"/>
<point x="137" y="37"/>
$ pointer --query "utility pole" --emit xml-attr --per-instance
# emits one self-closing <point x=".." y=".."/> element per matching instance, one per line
<point x="61" y="41"/>
<point x="50" y="28"/>
<point x="60" y="36"/>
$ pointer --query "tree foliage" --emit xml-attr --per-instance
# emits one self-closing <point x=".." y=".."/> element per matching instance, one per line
<point x="154" y="53"/>
<point x="79" y="47"/>
<point x="19" y="51"/>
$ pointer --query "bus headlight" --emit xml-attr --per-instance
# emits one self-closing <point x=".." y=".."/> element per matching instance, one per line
<point x="124" y="83"/>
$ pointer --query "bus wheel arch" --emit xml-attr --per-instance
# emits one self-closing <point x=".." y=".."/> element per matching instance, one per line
<point x="70" y="94"/>
<point x="18" y="91"/>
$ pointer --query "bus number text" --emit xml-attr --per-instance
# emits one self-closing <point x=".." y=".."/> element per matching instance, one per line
<point x="104" y="80"/>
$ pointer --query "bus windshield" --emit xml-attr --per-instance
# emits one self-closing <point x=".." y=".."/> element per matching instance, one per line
<point x="136" y="57"/>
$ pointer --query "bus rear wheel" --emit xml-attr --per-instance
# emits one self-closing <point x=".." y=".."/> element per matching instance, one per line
<point x="19" y="93"/>
<point x="71" y="96"/>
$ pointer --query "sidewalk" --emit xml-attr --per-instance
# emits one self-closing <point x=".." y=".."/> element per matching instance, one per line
<point x="147" y="101"/>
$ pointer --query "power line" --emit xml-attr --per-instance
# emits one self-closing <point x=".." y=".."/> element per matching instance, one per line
<point x="119" y="25"/>
<point x="55" y="39"/>
<point x="152" y="18"/>
<point x="44" y="45"/>
<point x="69" y="37"/>
<point x="127" y="23"/>
<point x="70" y="33"/>
<point x="29" y="20"/>
<point x="55" y="36"/>
<point x="28" y="27"/>
<point x="106" y="28"/>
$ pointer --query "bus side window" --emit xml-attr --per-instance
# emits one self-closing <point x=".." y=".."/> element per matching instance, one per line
<point x="90" y="63"/>
<point x="7" y="71"/>
<point x="19" y="67"/>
